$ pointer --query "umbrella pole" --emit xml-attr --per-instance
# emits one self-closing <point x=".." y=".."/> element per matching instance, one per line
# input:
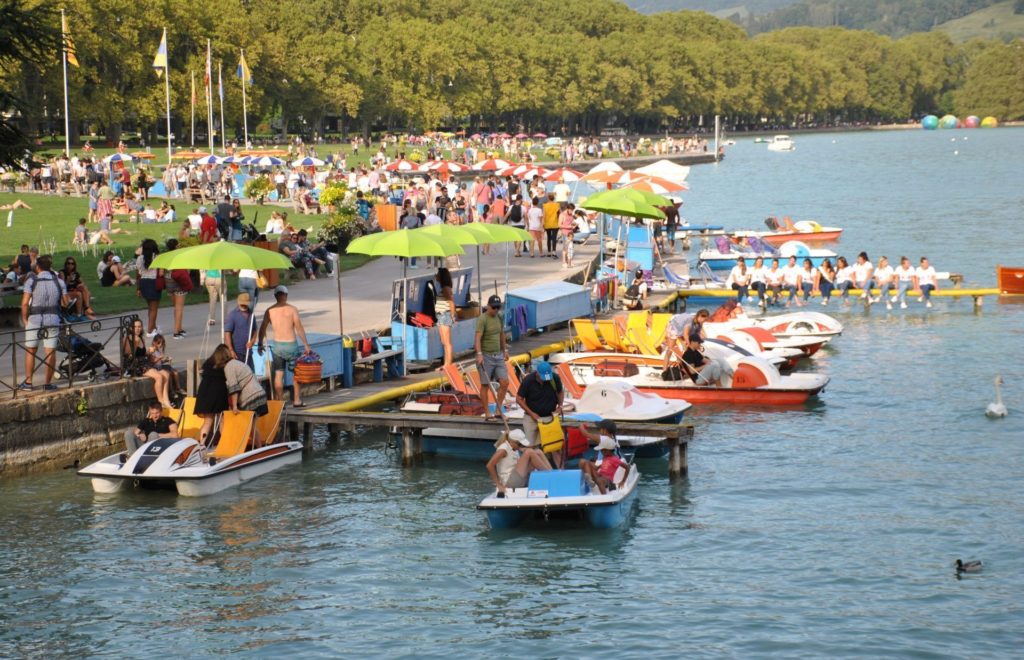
<point x="508" y="246"/>
<point x="405" y="319"/>
<point x="479" y="286"/>
<point x="337" y="275"/>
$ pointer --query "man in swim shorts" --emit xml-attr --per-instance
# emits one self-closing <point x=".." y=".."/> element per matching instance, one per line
<point x="284" y="319"/>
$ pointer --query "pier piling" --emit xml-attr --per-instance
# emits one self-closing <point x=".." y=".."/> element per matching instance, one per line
<point x="412" y="446"/>
<point x="677" y="450"/>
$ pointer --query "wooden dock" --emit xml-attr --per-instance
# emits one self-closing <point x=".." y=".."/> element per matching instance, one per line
<point x="300" y="424"/>
<point x="978" y="294"/>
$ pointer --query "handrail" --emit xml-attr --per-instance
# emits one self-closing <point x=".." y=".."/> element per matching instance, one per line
<point x="83" y="344"/>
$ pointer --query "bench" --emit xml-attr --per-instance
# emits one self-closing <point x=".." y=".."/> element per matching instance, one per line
<point x="385" y="355"/>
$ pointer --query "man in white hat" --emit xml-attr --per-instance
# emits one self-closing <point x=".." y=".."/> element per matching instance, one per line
<point x="514" y="460"/>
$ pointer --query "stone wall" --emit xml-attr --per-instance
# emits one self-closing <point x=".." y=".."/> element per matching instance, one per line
<point x="46" y="432"/>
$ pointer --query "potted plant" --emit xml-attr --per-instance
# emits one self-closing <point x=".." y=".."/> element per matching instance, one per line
<point x="340" y="228"/>
<point x="333" y="195"/>
<point x="257" y="188"/>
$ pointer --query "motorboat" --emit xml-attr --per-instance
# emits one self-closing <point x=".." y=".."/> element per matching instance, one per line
<point x="800" y="324"/>
<point x="186" y="465"/>
<point x="559" y="497"/>
<point x="781" y="231"/>
<point x="607" y="399"/>
<point x="769" y="344"/>
<point x="781" y="143"/>
<point x="727" y="252"/>
<point x="754" y="381"/>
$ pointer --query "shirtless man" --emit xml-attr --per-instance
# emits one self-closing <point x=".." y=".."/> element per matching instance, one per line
<point x="284" y="319"/>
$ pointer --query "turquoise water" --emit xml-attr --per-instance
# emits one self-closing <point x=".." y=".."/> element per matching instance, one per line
<point x="824" y="531"/>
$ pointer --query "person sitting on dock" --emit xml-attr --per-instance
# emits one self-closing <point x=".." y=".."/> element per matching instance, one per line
<point x="514" y="460"/>
<point x="491" y="354"/>
<point x="773" y="282"/>
<point x="791" y="278"/>
<point x="757" y="280"/>
<point x="927" y="281"/>
<point x="739" y="279"/>
<point x="885" y="280"/>
<point x="863" y="275"/>
<point x="155" y="425"/>
<point x="844" y="278"/>
<point x="825" y="280"/>
<point x="540" y="396"/>
<point x="906" y="278"/>
<point x="603" y="475"/>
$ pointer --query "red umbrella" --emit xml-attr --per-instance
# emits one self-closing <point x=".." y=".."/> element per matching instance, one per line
<point x="401" y="165"/>
<point x="657" y="185"/>
<point x="444" y="167"/>
<point x="563" y="174"/>
<point x="493" y="164"/>
<point x="503" y="135"/>
<point x="520" y="136"/>
<point x="540" y="135"/>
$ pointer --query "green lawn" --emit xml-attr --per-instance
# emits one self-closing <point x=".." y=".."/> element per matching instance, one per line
<point x="50" y="227"/>
<point x="995" y="22"/>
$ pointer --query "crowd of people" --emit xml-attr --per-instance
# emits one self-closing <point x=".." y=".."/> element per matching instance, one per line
<point x="803" y="280"/>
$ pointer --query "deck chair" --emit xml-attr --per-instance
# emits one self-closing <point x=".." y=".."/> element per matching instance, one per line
<point x="659" y="324"/>
<point x="636" y="327"/>
<point x="475" y="384"/>
<point x="569" y="384"/>
<point x="235" y="432"/>
<point x="642" y="340"/>
<point x="610" y="333"/>
<point x="513" y="377"/>
<point x="457" y="379"/>
<point x="674" y="278"/>
<point x="269" y="425"/>
<point x="587" y="333"/>
<point x="190" y="423"/>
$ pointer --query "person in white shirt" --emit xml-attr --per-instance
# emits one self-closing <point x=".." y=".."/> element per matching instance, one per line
<point x="535" y="225"/>
<point x="791" y="281"/>
<point x="773" y="282"/>
<point x="757" y="280"/>
<point x="825" y="280"/>
<point x="275" y="225"/>
<point x="927" y="281"/>
<point x="885" y="280"/>
<point x="906" y="278"/>
<point x="807" y="274"/>
<point x="862" y="272"/>
<point x="739" y="280"/>
<point x="844" y="278"/>
<point x="562" y="192"/>
<point x="195" y="221"/>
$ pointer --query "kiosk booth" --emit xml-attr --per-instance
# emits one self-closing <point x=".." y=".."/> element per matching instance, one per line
<point x="423" y="343"/>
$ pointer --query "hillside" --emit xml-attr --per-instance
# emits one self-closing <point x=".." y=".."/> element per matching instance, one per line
<point x="721" y="8"/>
<point x="895" y="18"/>
<point x="995" y="22"/>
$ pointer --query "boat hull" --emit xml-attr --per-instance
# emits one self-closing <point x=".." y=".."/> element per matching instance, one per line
<point x="776" y="240"/>
<point x="1010" y="280"/>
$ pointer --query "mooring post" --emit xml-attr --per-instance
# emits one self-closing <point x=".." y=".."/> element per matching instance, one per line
<point x="412" y="446"/>
<point x="978" y="300"/>
<point x="677" y="449"/>
<point x="293" y="431"/>
<point x="307" y="436"/>
<point x="333" y="433"/>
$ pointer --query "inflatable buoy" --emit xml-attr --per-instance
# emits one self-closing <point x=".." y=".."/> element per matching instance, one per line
<point x="948" y="121"/>
<point x="989" y="122"/>
<point x="930" y="123"/>
<point x="973" y="121"/>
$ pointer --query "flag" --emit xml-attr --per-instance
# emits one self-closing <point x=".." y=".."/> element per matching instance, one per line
<point x="243" y="71"/>
<point x="208" y="74"/>
<point x="69" y="43"/>
<point x="160" y="60"/>
<point x="220" y="86"/>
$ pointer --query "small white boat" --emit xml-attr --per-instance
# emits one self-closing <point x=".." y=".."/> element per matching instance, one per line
<point x="781" y="143"/>
<point x="558" y="496"/>
<point x="187" y="466"/>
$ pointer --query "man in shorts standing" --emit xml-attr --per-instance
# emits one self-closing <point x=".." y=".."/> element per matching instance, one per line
<point x="44" y="295"/>
<point x="491" y="353"/>
<point x="284" y="319"/>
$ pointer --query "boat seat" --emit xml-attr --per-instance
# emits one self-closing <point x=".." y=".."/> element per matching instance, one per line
<point x="190" y="423"/>
<point x="643" y="342"/>
<point x="587" y="334"/>
<point x="269" y="425"/>
<point x="513" y="378"/>
<point x="610" y="333"/>
<point x="235" y="432"/>
<point x="569" y="384"/>
<point x="173" y="413"/>
<point x="456" y="378"/>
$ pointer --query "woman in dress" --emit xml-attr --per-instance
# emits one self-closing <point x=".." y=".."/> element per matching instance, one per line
<point x="212" y="394"/>
<point x="136" y="363"/>
<point x="566" y="227"/>
<point x="149" y="284"/>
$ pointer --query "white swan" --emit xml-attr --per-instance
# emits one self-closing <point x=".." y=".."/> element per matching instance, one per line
<point x="997" y="408"/>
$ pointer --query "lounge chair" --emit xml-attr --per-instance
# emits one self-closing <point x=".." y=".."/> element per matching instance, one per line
<point x="587" y="333"/>
<point x="235" y="433"/>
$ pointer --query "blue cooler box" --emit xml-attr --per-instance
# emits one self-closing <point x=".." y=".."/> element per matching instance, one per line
<point x="557" y="483"/>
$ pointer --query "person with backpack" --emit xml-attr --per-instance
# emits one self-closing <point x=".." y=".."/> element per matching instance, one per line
<point x="44" y="296"/>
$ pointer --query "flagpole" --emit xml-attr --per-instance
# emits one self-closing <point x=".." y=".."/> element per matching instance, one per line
<point x="220" y="93"/>
<point x="245" y="110"/>
<point x="167" y="96"/>
<point x="192" y="103"/>
<point x="67" y="119"/>
<point x="209" y="96"/>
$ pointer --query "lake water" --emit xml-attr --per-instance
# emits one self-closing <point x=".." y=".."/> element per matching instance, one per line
<point x="825" y="531"/>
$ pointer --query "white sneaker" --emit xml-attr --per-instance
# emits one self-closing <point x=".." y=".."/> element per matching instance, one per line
<point x="921" y="299"/>
<point x="903" y="305"/>
<point x="892" y="299"/>
<point x="888" y="305"/>
<point x="153" y="333"/>
<point x="824" y="302"/>
<point x="928" y="304"/>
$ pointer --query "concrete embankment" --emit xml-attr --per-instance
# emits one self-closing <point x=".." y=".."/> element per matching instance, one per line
<point x="42" y="433"/>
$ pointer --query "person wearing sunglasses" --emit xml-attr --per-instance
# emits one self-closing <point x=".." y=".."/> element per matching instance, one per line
<point x="77" y="291"/>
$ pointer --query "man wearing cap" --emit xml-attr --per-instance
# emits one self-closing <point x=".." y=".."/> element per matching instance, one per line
<point x="238" y="335"/>
<point x="284" y="319"/>
<point x="491" y="353"/>
<point x="514" y="460"/>
<point x="540" y="396"/>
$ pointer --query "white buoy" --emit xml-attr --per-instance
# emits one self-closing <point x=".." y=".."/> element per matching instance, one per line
<point x="997" y="409"/>
<point x="956" y="153"/>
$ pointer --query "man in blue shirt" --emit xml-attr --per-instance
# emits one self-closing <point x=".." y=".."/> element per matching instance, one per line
<point x="238" y="332"/>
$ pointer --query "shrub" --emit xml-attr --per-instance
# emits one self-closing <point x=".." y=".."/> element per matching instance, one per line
<point x="333" y="193"/>
<point x="341" y="227"/>
<point x="257" y="188"/>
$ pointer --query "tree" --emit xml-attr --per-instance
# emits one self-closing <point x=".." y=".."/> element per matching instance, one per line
<point x="994" y="83"/>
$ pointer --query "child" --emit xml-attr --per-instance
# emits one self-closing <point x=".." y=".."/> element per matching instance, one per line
<point x="604" y="474"/>
<point x="162" y="362"/>
<point x="81" y="234"/>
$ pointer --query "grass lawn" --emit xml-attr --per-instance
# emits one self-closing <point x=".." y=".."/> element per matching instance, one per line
<point x="50" y="227"/>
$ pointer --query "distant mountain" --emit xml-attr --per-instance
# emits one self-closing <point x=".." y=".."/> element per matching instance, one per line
<point x="1003" y="21"/>
<point x="721" y="8"/>
<point x="895" y="18"/>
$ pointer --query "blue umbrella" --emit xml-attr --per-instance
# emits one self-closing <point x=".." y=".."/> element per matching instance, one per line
<point x="308" y="162"/>
<point x="265" y="161"/>
<point x="116" y="158"/>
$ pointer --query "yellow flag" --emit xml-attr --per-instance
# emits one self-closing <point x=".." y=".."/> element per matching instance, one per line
<point x="69" y="43"/>
<point x="160" y="60"/>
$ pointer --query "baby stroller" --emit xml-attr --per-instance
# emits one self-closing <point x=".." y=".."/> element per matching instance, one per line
<point x="83" y="357"/>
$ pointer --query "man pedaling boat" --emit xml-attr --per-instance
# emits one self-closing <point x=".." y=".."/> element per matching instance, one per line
<point x="696" y="365"/>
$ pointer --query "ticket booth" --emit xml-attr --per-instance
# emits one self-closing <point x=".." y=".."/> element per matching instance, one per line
<point x="423" y="343"/>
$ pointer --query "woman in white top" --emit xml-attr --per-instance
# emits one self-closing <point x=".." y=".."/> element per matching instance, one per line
<point x="825" y="281"/>
<point x="844" y="278"/>
<point x="862" y="275"/>
<point x="906" y="278"/>
<point x="885" y="280"/>
<point x="535" y="225"/>
<point x="514" y="460"/>
<point x="275" y="225"/>
<point x="757" y="279"/>
<point x="807" y="276"/>
<point x="739" y="279"/>
<point x="927" y="281"/>
<point x="791" y="281"/>
<point x="773" y="281"/>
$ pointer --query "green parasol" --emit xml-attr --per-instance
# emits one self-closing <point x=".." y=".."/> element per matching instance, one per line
<point x="221" y="256"/>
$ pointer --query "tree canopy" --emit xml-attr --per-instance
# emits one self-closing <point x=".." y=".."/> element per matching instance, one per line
<point x="550" y="65"/>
